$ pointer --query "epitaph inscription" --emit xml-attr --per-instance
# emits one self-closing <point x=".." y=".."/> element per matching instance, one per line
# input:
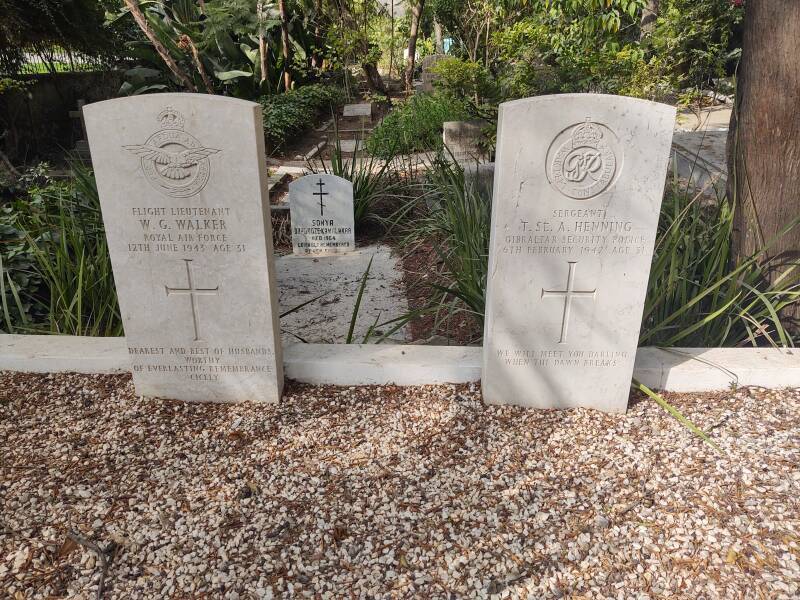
<point x="577" y="191"/>
<point x="321" y="209"/>
<point x="189" y="243"/>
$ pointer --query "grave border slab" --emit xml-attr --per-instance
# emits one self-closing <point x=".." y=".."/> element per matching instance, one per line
<point x="676" y="370"/>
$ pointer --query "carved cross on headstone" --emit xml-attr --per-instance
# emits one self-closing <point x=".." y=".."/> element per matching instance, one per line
<point x="320" y="193"/>
<point x="568" y="294"/>
<point x="192" y="292"/>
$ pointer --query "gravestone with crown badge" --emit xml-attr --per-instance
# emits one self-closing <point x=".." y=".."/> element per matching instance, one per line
<point x="321" y="208"/>
<point x="181" y="179"/>
<point x="577" y="191"/>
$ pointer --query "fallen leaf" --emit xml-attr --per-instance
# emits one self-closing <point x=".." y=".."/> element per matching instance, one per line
<point x="67" y="547"/>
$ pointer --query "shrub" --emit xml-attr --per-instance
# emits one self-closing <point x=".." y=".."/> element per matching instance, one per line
<point x="286" y="115"/>
<point x="416" y="125"/>
<point x="464" y="79"/>
<point x="697" y="38"/>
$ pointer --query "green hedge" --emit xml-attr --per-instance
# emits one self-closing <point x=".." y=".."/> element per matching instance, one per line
<point x="416" y="125"/>
<point x="289" y="114"/>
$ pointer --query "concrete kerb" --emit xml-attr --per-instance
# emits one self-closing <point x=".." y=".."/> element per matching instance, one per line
<point x="678" y="369"/>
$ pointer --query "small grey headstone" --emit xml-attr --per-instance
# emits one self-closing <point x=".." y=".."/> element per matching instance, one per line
<point x="351" y="146"/>
<point x="181" y="180"/>
<point x="462" y="140"/>
<point x="431" y="60"/>
<point x="577" y="192"/>
<point x="358" y="110"/>
<point x="321" y="208"/>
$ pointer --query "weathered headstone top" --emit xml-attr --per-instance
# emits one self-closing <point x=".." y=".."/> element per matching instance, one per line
<point x="463" y="138"/>
<point x="431" y="60"/>
<point x="180" y="178"/>
<point x="321" y="208"/>
<point x="577" y="192"/>
<point x="428" y="76"/>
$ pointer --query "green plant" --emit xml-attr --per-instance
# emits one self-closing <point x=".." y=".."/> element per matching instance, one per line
<point x="416" y="125"/>
<point x="372" y="179"/>
<point x="455" y="213"/>
<point x="286" y="115"/>
<point x="696" y="296"/>
<point x="697" y="38"/>
<point x="67" y="258"/>
<point x="464" y="79"/>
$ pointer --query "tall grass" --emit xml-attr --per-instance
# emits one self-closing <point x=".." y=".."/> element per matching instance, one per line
<point x="67" y="244"/>
<point x="454" y="213"/>
<point x="416" y="124"/>
<point x="696" y="295"/>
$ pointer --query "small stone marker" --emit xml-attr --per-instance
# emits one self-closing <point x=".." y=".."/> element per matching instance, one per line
<point x="351" y="146"/>
<point x="363" y="109"/>
<point x="577" y="192"/>
<point x="81" y="145"/>
<point x="429" y="77"/>
<point x="462" y="139"/>
<point x="321" y="208"/>
<point x="180" y="178"/>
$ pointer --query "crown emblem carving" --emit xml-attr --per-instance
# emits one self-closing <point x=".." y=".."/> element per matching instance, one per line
<point x="586" y="134"/>
<point x="173" y="160"/>
<point x="169" y="118"/>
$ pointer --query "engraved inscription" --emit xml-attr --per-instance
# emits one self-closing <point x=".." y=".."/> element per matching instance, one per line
<point x="193" y="292"/>
<point x="211" y="364"/>
<point x="568" y="294"/>
<point x="582" y="162"/>
<point x="172" y="160"/>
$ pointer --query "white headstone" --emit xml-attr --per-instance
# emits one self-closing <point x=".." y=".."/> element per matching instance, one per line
<point x="321" y="208"/>
<point x="577" y="192"/>
<point x="181" y="180"/>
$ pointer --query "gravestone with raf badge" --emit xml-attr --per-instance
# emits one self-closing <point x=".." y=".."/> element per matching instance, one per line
<point x="181" y="179"/>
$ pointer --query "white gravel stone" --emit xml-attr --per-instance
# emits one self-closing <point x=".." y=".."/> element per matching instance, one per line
<point x="393" y="492"/>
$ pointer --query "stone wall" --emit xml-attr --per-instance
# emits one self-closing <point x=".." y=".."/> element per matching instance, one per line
<point x="37" y="125"/>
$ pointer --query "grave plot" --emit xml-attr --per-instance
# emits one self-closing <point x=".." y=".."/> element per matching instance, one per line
<point x="330" y="285"/>
<point x="307" y="328"/>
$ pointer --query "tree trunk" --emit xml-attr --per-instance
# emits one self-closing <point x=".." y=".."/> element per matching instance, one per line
<point x="316" y="60"/>
<point x="764" y="137"/>
<point x="437" y="33"/>
<point x="391" y="40"/>
<point x="416" y="17"/>
<point x="649" y="16"/>
<point x="261" y="16"/>
<point x="287" y="75"/>
<point x="141" y="21"/>
<point x="374" y="79"/>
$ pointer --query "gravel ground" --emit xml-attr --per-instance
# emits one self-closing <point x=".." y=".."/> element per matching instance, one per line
<point x="384" y="492"/>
